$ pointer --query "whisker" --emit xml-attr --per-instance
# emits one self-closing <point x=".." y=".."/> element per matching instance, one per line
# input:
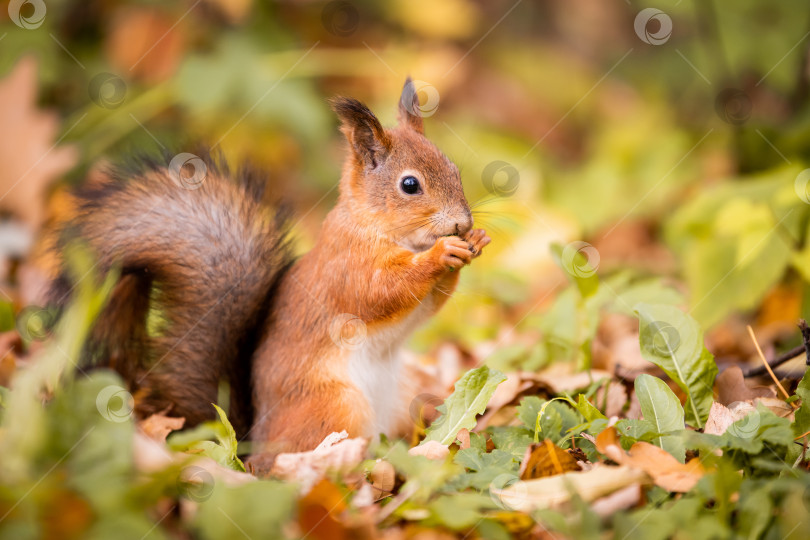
<point x="487" y="199"/>
<point x="415" y="223"/>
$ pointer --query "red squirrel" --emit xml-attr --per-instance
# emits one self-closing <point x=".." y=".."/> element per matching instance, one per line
<point x="210" y="292"/>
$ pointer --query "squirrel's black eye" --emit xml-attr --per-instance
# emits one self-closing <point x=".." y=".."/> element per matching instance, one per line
<point x="410" y="185"/>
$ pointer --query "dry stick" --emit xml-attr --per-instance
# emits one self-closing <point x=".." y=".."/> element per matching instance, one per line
<point x="790" y="355"/>
<point x="770" y="371"/>
<point x="776" y="362"/>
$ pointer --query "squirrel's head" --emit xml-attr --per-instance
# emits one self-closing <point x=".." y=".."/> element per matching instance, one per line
<point x="398" y="178"/>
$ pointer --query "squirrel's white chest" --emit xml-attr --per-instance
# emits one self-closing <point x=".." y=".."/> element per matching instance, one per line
<point x="374" y="367"/>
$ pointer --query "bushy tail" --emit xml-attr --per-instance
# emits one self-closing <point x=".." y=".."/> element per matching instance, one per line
<point x="199" y="255"/>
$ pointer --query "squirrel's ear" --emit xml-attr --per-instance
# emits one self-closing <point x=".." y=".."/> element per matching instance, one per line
<point x="409" y="107"/>
<point x="364" y="132"/>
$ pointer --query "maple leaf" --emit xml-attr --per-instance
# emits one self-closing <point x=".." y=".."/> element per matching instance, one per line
<point x="31" y="160"/>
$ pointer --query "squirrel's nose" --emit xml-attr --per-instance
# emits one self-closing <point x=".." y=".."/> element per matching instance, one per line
<point x="464" y="225"/>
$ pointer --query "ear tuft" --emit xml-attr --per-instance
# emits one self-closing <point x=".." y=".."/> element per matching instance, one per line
<point x="409" y="113"/>
<point x="365" y="134"/>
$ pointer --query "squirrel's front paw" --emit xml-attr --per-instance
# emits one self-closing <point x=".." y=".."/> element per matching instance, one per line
<point x="477" y="239"/>
<point x="452" y="252"/>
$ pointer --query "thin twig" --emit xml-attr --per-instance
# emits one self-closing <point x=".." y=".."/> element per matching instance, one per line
<point x="790" y="355"/>
<point x="776" y="362"/>
<point x="770" y="371"/>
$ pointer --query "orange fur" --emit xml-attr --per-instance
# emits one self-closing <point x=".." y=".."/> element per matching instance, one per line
<point x="370" y="262"/>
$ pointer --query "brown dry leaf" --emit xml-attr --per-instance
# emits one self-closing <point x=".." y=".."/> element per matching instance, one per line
<point x="158" y="426"/>
<point x="505" y="393"/>
<point x="145" y="43"/>
<point x="9" y="342"/>
<point x="546" y="459"/>
<point x="666" y="471"/>
<point x="234" y="10"/>
<point x="616" y="398"/>
<point x="559" y="379"/>
<point x="463" y="438"/>
<point x="337" y="452"/>
<point x="777" y="406"/>
<point x="31" y="160"/>
<point x="731" y="387"/>
<point x="320" y="509"/>
<point x="620" y="500"/>
<point x="554" y="491"/>
<point x="383" y="477"/>
<point x="151" y="456"/>
<point x="721" y="417"/>
<point x="616" y="346"/>
<point x="431" y="450"/>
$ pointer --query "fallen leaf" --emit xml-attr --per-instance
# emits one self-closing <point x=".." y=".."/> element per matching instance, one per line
<point x="319" y="511"/>
<point x="546" y="459"/>
<point x="619" y="500"/>
<point x="777" y="406"/>
<point x="431" y="450"/>
<point x="463" y="438"/>
<point x="615" y="347"/>
<point x="666" y="471"/>
<point x="560" y="382"/>
<point x="383" y="477"/>
<point x="554" y="491"/>
<point x="31" y="160"/>
<point x="616" y="398"/>
<point x="234" y="10"/>
<point x="158" y="426"/>
<point x="145" y="42"/>
<point x="336" y="453"/>
<point x="721" y="417"/>
<point x="731" y="387"/>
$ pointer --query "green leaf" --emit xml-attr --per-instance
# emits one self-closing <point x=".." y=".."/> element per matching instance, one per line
<point x="550" y="419"/>
<point x="588" y="409"/>
<point x="254" y="510"/>
<point x="423" y="476"/>
<point x="512" y="439"/>
<point x="197" y="441"/>
<point x="574" y="259"/>
<point x="801" y="424"/>
<point x="661" y="407"/>
<point x="632" y="431"/>
<point x="484" y="466"/>
<point x="673" y="341"/>
<point x="459" y="510"/>
<point x="469" y="399"/>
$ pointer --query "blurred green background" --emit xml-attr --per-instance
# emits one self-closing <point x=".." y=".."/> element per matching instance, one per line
<point x="671" y="140"/>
